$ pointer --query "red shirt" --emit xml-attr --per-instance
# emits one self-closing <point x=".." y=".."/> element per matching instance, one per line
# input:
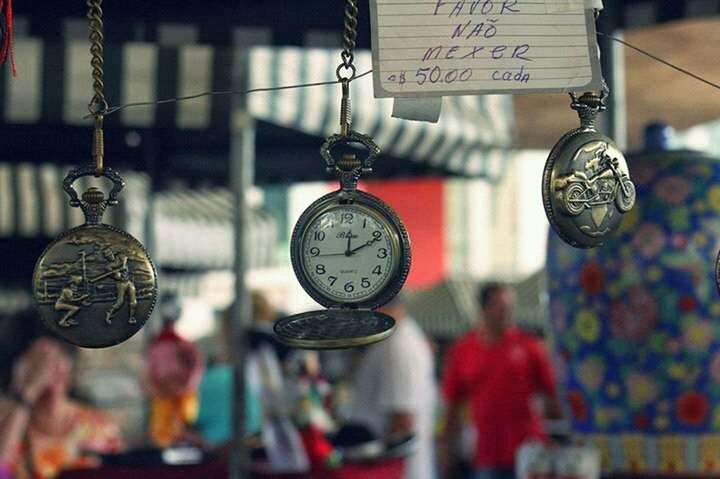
<point x="499" y="379"/>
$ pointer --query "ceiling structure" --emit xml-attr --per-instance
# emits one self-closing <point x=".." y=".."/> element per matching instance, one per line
<point x="654" y="91"/>
<point x="686" y="33"/>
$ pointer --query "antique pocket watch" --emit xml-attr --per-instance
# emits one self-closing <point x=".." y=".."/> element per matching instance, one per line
<point x="95" y="285"/>
<point x="350" y="253"/>
<point x="586" y="186"/>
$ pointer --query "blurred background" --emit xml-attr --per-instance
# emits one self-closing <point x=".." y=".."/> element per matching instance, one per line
<point x="468" y="189"/>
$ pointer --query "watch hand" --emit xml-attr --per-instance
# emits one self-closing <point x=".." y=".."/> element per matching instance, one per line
<point x="367" y="243"/>
<point x="349" y="238"/>
<point x="333" y="254"/>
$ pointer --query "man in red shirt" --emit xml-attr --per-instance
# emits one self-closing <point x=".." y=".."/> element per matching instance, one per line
<point x="498" y="370"/>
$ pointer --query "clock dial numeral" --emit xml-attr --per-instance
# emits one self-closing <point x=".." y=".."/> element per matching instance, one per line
<point x="344" y="277"/>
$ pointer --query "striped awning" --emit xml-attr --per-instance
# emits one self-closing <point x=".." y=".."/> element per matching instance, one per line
<point x="450" y="308"/>
<point x="33" y="203"/>
<point x="472" y="137"/>
<point x="446" y="310"/>
<point x="194" y="230"/>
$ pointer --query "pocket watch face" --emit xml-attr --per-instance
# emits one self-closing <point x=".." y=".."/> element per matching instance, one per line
<point x="349" y="253"/>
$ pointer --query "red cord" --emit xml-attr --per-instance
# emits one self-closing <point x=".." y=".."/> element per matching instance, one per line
<point x="3" y="40"/>
<point x="6" y="48"/>
<point x="9" y="19"/>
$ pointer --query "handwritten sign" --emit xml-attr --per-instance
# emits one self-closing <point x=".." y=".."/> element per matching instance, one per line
<point x="460" y="47"/>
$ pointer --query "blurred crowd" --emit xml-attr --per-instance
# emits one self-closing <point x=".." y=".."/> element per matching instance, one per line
<point x="448" y="411"/>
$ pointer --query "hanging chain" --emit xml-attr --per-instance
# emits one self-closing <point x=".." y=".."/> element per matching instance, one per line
<point x="348" y="40"/>
<point x="98" y="104"/>
<point x="347" y="57"/>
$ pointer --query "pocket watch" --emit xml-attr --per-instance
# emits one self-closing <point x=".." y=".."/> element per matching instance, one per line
<point x="351" y="253"/>
<point x="95" y="285"/>
<point x="586" y="186"/>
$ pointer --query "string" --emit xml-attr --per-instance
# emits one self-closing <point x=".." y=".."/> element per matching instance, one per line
<point x="114" y="109"/>
<point x="117" y="108"/>
<point x="658" y="59"/>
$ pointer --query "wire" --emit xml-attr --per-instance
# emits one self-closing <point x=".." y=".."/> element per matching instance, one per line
<point x="114" y="109"/>
<point x="658" y="59"/>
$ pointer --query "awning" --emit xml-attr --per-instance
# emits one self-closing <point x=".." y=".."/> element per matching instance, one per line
<point x="33" y="203"/>
<point x="450" y="308"/>
<point x="446" y="310"/>
<point x="194" y="230"/>
<point x="472" y="137"/>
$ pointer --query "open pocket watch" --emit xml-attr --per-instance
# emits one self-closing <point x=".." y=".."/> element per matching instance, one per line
<point x="586" y="186"/>
<point x="349" y="250"/>
<point x="350" y="253"/>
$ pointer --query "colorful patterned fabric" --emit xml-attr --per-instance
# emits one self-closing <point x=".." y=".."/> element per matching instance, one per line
<point x="90" y="431"/>
<point x="640" y="352"/>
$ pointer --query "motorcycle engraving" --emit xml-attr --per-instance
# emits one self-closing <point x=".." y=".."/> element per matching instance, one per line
<point x="600" y="184"/>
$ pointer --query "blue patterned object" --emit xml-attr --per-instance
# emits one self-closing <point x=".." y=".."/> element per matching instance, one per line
<point x="634" y="320"/>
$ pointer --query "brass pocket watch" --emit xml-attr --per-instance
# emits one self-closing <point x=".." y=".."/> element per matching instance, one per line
<point x="350" y="253"/>
<point x="95" y="285"/>
<point x="349" y="250"/>
<point x="586" y="186"/>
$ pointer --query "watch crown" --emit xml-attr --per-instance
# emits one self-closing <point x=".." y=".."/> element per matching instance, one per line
<point x="93" y="196"/>
<point x="349" y="162"/>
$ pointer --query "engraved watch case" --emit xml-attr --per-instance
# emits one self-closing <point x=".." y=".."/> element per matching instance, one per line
<point x="95" y="285"/>
<point x="586" y="186"/>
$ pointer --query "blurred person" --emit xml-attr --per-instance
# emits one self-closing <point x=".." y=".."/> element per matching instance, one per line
<point x="214" y="421"/>
<point x="394" y="390"/>
<point x="171" y="376"/>
<point x="498" y="371"/>
<point x="43" y="430"/>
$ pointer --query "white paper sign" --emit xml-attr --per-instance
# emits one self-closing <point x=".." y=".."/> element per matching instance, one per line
<point x="462" y="47"/>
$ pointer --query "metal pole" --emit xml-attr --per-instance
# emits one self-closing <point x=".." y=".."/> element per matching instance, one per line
<point x="612" y="61"/>
<point x="242" y="161"/>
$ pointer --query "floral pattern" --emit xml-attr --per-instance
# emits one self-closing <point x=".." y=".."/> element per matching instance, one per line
<point x="635" y="317"/>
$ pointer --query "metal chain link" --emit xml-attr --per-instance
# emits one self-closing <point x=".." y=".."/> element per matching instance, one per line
<point x="348" y="40"/>
<point x="347" y="57"/>
<point x="98" y="103"/>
